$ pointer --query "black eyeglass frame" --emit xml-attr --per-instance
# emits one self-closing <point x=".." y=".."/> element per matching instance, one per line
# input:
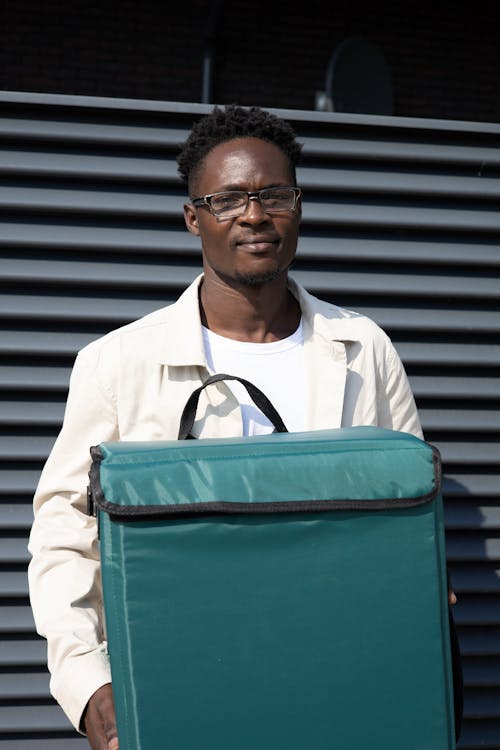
<point x="206" y="200"/>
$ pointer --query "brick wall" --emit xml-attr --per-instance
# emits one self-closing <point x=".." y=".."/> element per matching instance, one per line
<point x="443" y="57"/>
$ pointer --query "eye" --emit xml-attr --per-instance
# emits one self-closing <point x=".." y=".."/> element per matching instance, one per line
<point x="225" y="201"/>
<point x="282" y="198"/>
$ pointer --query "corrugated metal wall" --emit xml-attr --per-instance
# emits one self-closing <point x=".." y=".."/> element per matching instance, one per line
<point x="401" y="221"/>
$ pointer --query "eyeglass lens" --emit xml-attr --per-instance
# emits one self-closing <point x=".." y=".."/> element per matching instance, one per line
<point x="271" y="199"/>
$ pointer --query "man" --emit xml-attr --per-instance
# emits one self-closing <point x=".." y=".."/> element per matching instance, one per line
<point x="321" y="366"/>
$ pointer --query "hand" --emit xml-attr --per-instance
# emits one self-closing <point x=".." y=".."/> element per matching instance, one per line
<point x="99" y="720"/>
<point x="452" y="599"/>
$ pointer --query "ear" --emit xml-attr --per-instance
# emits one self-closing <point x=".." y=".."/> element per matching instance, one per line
<point x="191" y="219"/>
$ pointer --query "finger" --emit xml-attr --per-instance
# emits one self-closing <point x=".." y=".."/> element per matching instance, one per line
<point x="95" y="734"/>
<point x="452" y="597"/>
<point x="108" y="717"/>
<point x="100" y="722"/>
<point x="96" y="737"/>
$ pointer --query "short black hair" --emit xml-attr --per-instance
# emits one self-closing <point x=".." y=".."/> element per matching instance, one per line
<point x="223" y="125"/>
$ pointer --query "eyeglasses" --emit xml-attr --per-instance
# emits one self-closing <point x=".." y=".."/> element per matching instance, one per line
<point x="231" y="203"/>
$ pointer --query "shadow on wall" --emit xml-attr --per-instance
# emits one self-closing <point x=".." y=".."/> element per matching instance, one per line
<point x="475" y="581"/>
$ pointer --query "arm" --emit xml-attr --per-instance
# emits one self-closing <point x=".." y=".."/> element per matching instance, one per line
<point x="395" y="402"/>
<point x="64" y="574"/>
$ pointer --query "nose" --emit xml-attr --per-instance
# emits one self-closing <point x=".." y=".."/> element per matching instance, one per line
<point x="254" y="212"/>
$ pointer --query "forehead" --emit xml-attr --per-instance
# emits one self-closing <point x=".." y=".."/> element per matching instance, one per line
<point x="246" y="163"/>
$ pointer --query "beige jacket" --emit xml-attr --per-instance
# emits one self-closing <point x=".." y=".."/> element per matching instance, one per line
<point x="132" y="385"/>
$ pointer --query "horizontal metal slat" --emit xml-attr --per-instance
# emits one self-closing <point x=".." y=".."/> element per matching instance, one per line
<point x="73" y="236"/>
<point x="163" y="240"/>
<point x="77" y="309"/>
<point x="78" y="107"/>
<point x="393" y="149"/>
<point x="480" y="704"/>
<point x="13" y="584"/>
<point x="479" y="641"/>
<point x="25" y="447"/>
<point x="33" y="719"/>
<point x="399" y="285"/>
<point x="475" y="547"/>
<point x="408" y="152"/>
<point x="433" y="320"/>
<point x="382" y="181"/>
<point x="32" y="653"/>
<point x="18" y="482"/>
<point x="470" y="453"/>
<point x="169" y="207"/>
<point x="470" y="388"/>
<point x="24" y="686"/>
<point x="16" y="619"/>
<point x="50" y="414"/>
<point x="74" y="201"/>
<point x="28" y="448"/>
<point x="75" y="131"/>
<point x="336" y="213"/>
<point x="13" y="550"/>
<point x="467" y="515"/>
<point x="404" y="249"/>
<point x="481" y="579"/>
<point x="430" y="353"/>
<point x="43" y="343"/>
<point x="133" y="169"/>
<point x="473" y="580"/>
<point x="482" y="485"/>
<point x="50" y="307"/>
<point x="482" y="671"/>
<point x="139" y="275"/>
<point x="15" y="516"/>
<point x="395" y="216"/>
<point x="33" y="378"/>
<point x="31" y="413"/>
<point x="69" y="742"/>
<point x="482" y="735"/>
<point x="460" y="420"/>
<point x="477" y="610"/>
<point x="97" y="274"/>
<point x="98" y="167"/>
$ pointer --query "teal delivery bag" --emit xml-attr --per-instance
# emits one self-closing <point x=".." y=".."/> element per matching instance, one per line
<point x="280" y="592"/>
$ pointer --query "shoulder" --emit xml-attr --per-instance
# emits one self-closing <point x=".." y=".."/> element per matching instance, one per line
<point x="143" y="327"/>
<point x="336" y="322"/>
<point x="149" y="333"/>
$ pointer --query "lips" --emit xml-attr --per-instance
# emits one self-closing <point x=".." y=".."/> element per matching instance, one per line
<point x="258" y="243"/>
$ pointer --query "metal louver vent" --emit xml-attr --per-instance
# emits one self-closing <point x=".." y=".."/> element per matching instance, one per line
<point x="400" y="221"/>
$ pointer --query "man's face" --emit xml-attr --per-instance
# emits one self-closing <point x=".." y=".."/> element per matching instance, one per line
<point x="255" y="247"/>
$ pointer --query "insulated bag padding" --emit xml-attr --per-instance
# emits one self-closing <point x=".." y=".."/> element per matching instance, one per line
<point x="281" y="592"/>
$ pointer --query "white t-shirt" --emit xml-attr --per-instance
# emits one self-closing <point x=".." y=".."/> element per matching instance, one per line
<point x="277" y="368"/>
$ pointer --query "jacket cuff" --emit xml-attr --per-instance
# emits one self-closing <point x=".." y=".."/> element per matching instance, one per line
<point x="77" y="680"/>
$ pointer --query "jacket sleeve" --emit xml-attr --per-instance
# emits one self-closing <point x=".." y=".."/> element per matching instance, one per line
<point x="64" y="573"/>
<point x="395" y="402"/>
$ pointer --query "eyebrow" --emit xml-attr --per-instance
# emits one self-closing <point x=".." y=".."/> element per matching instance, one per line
<point x="241" y="188"/>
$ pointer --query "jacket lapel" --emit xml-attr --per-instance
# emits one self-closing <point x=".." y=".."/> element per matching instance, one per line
<point x="326" y="337"/>
<point x="326" y="374"/>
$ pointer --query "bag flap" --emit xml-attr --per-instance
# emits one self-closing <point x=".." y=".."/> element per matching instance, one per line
<point x="344" y="469"/>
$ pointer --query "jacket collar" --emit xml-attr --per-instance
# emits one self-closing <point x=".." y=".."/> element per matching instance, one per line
<point x="181" y="343"/>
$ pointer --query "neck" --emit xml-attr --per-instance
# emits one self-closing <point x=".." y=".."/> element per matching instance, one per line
<point x="260" y="314"/>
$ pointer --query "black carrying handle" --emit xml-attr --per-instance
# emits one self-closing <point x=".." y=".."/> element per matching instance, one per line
<point x="260" y="400"/>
